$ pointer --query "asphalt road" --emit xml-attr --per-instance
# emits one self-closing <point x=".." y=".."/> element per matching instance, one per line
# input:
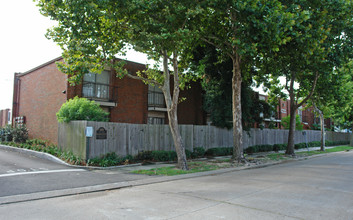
<point x="317" y="188"/>
<point x="21" y="174"/>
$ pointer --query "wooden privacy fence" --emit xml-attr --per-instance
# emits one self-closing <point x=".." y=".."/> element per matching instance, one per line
<point x="124" y="139"/>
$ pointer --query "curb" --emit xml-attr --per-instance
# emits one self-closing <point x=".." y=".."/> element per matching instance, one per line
<point x="54" y="159"/>
<point x="41" y="155"/>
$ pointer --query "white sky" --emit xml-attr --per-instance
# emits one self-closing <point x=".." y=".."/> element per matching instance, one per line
<point x="23" y="45"/>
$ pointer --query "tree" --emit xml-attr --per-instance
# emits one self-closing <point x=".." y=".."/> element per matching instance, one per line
<point x="244" y="31"/>
<point x="91" y="33"/>
<point x="327" y="91"/>
<point x="342" y="104"/>
<point x="318" y="45"/>
<point x="285" y="122"/>
<point x="217" y="84"/>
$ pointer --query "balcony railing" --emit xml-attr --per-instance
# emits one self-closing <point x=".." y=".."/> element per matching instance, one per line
<point x="156" y="99"/>
<point x="99" y="91"/>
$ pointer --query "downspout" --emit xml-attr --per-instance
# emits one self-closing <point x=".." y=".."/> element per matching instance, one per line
<point x="16" y="98"/>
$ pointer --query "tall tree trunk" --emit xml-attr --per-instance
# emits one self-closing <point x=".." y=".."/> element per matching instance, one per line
<point x="322" y="125"/>
<point x="351" y="142"/>
<point x="172" y="104"/>
<point x="293" y="108"/>
<point x="292" y="123"/>
<point x="237" y="114"/>
<point x="178" y="143"/>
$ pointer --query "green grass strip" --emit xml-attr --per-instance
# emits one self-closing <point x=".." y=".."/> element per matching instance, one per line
<point x="202" y="166"/>
<point x="194" y="167"/>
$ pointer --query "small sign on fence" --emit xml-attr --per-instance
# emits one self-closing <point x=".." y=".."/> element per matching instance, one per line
<point x="101" y="133"/>
<point x="89" y="132"/>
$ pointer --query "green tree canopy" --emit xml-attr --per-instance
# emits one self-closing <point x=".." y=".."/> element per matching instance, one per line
<point x="319" y="44"/>
<point x="342" y="105"/>
<point x="91" y="33"/>
<point x="285" y="121"/>
<point x="245" y="32"/>
<point x="217" y="84"/>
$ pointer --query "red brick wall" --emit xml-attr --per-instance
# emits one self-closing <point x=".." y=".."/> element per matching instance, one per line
<point x="131" y="101"/>
<point x="283" y="110"/>
<point x="40" y="97"/>
<point x="132" y="104"/>
<point x="131" y="98"/>
<point x="308" y="117"/>
<point x="4" y="117"/>
<point x="190" y="111"/>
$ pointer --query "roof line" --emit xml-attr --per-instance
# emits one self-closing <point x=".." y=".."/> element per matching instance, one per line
<point x="40" y="66"/>
<point x="130" y="61"/>
<point x="60" y="58"/>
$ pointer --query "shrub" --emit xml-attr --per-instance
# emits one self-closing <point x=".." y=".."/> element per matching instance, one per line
<point x="316" y="127"/>
<point x="333" y="143"/>
<point x="20" y="134"/>
<point x="17" y="134"/>
<point x="220" y="151"/>
<point x="188" y="154"/>
<point x="40" y="145"/>
<point x="265" y="148"/>
<point x="81" y="109"/>
<point x="159" y="155"/>
<point x="314" y="144"/>
<point x="164" y="155"/>
<point x="251" y="149"/>
<point x="144" y="155"/>
<point x="110" y="159"/>
<point x="6" y="133"/>
<point x="51" y="149"/>
<point x="299" y="146"/>
<point x="258" y="148"/>
<point x="36" y="142"/>
<point x="198" y="152"/>
<point x="278" y="147"/>
<point x="70" y="157"/>
<point x="2" y="134"/>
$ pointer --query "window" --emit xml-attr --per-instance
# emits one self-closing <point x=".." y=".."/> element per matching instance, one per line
<point x="96" y="85"/>
<point x="8" y="117"/>
<point x="300" y="113"/>
<point x="156" y="117"/>
<point x="154" y="120"/>
<point x="155" y="97"/>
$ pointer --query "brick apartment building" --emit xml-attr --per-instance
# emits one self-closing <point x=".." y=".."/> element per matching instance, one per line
<point x="5" y="117"/>
<point x="306" y="115"/>
<point x="40" y="92"/>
